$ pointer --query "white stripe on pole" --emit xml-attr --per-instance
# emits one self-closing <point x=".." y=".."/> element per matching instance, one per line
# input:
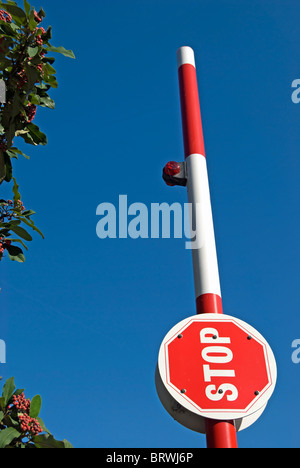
<point x="206" y="272"/>
<point x="185" y="55"/>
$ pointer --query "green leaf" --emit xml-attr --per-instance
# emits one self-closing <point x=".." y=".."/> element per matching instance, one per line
<point x="47" y="102"/>
<point x="35" y="406"/>
<point x="42" y="424"/>
<point x="28" y="213"/>
<point x="15" y="253"/>
<point x="7" y="30"/>
<point x="13" y="222"/>
<point x="19" y="240"/>
<point x="21" y="232"/>
<point x="9" y="421"/>
<point x="26" y="7"/>
<point x="8" y="168"/>
<point x="67" y="444"/>
<point x="15" y="151"/>
<point x="7" y="436"/>
<point x="32" y="51"/>
<point x="49" y="69"/>
<point x="8" y="390"/>
<point x="61" y="50"/>
<point x="2" y="403"/>
<point x="47" y="441"/>
<point x="12" y="154"/>
<point x="17" y="105"/>
<point x="32" y="22"/>
<point x="16" y="192"/>
<point x="48" y="35"/>
<point x="34" y="99"/>
<point x="51" y="80"/>
<point x="42" y="86"/>
<point x="30" y="223"/>
<point x="41" y="13"/>
<point x="37" y="136"/>
<point x="50" y="60"/>
<point x="2" y="167"/>
<point x="19" y="391"/>
<point x="32" y="75"/>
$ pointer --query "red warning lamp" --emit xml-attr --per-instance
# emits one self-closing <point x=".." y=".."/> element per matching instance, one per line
<point x="172" y="168"/>
<point x="174" y="173"/>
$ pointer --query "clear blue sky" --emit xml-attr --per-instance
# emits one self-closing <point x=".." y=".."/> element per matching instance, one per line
<point x="83" y="318"/>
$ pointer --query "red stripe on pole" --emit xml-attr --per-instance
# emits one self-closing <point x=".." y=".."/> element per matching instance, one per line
<point x="190" y="111"/>
<point x="220" y="434"/>
<point x="209" y="304"/>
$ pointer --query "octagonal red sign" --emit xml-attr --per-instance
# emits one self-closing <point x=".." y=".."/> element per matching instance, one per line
<point x="217" y="366"/>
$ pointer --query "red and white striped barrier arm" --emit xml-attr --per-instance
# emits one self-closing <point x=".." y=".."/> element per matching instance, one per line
<point x="206" y="273"/>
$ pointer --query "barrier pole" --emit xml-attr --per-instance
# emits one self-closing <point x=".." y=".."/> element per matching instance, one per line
<point x="219" y="434"/>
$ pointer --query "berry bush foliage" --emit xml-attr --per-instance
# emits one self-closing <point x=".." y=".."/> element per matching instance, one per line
<point x="27" y="73"/>
<point x="26" y="68"/>
<point x="20" y="424"/>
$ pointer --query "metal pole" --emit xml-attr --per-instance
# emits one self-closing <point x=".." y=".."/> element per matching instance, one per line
<point x="219" y="434"/>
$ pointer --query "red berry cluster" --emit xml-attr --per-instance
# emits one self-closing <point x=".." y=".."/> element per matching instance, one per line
<point x="37" y="18"/>
<point x="22" y="79"/>
<point x="10" y="204"/>
<point x="4" y="16"/>
<point x="30" y="111"/>
<point x="9" y="210"/>
<point x="38" y="38"/>
<point x="40" y="67"/>
<point x="21" y="403"/>
<point x="27" y="423"/>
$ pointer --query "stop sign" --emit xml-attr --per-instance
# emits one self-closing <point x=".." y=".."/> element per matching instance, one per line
<point x="217" y="366"/>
